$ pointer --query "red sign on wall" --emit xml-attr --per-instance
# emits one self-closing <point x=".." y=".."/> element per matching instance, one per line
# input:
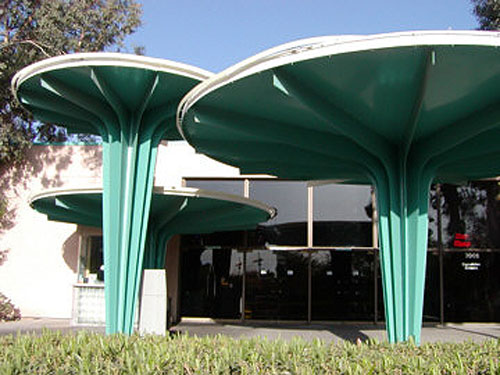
<point x="461" y="240"/>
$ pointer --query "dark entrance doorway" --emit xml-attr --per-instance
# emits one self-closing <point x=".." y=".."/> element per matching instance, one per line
<point x="211" y="283"/>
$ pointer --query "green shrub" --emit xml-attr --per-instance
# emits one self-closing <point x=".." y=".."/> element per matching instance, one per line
<point x="8" y="311"/>
<point x="90" y="353"/>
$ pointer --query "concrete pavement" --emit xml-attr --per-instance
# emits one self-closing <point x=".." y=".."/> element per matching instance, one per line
<point x="336" y="331"/>
<point x="326" y="331"/>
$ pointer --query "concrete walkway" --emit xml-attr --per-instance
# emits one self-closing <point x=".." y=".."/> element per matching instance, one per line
<point x="328" y="331"/>
<point x="37" y="325"/>
<point x="335" y="331"/>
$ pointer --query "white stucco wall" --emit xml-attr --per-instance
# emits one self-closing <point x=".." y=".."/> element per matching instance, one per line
<point x="177" y="160"/>
<point x="41" y="263"/>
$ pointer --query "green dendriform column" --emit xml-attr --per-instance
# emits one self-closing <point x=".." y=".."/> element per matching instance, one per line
<point x="130" y="101"/>
<point x="129" y="158"/>
<point x="154" y="256"/>
<point x="403" y="206"/>
<point x="128" y="166"/>
<point x="159" y="232"/>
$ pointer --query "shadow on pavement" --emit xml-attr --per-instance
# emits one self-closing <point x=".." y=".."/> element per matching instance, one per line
<point x="475" y="332"/>
<point x="328" y="332"/>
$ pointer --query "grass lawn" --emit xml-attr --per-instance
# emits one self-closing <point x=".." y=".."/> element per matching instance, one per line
<point x="91" y="353"/>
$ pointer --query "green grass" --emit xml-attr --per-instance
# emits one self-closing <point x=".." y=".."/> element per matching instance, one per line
<point x="90" y="353"/>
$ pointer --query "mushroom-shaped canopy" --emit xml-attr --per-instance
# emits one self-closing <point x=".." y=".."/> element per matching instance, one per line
<point x="395" y="110"/>
<point x="337" y="107"/>
<point x="173" y="211"/>
<point x="130" y="101"/>
<point x="98" y="93"/>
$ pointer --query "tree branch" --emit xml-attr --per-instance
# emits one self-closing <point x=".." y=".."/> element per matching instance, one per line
<point x="28" y="41"/>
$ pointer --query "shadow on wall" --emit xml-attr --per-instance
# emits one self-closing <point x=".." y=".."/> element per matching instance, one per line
<point x="70" y="251"/>
<point x="3" y="256"/>
<point x="47" y="164"/>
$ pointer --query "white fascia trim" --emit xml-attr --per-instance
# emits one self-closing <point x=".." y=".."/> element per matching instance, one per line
<point x="210" y="194"/>
<point x="53" y="193"/>
<point x="184" y="192"/>
<point x="89" y="59"/>
<point x="312" y="48"/>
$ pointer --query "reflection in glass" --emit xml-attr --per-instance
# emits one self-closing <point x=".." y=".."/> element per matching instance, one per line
<point x="343" y="281"/>
<point x="432" y="238"/>
<point x="91" y="269"/>
<point x="276" y="285"/>
<point x="211" y="283"/>
<point x="431" y="293"/>
<point x="471" y="215"/>
<point x="342" y="215"/>
<point x="342" y="285"/>
<point x="472" y="280"/>
<point x="290" y="199"/>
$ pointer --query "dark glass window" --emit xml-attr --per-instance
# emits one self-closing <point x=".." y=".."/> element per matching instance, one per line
<point x="216" y="239"/>
<point x="343" y="282"/>
<point x="432" y="238"/>
<point x="225" y="186"/>
<point x="276" y="285"/>
<point x="471" y="241"/>
<point x="471" y="286"/>
<point x="342" y="285"/>
<point x="342" y="215"/>
<point x="431" y="293"/>
<point x="91" y="261"/>
<point x="211" y="283"/>
<point x="289" y="227"/>
<point x="471" y="215"/>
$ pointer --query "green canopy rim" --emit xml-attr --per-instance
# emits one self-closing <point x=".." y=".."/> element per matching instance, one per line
<point x="114" y="59"/>
<point x="53" y="193"/>
<point x="309" y="49"/>
<point x="212" y="194"/>
<point x="159" y="190"/>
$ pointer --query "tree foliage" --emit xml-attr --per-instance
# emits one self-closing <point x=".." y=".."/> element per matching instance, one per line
<point x="31" y="30"/>
<point x="487" y="13"/>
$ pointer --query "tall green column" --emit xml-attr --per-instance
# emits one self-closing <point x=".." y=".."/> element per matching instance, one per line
<point x="130" y="101"/>
<point x="403" y="206"/>
<point x="128" y="170"/>
<point x="129" y="156"/>
<point x="402" y="189"/>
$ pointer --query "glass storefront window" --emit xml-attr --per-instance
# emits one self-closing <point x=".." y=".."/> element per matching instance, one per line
<point x="471" y="286"/>
<point x="342" y="215"/>
<point x="211" y="283"/>
<point x="342" y="285"/>
<point x="431" y="294"/>
<point x="276" y="285"/>
<point x="434" y="200"/>
<point x="343" y="281"/>
<point x="289" y="227"/>
<point x="471" y="215"/>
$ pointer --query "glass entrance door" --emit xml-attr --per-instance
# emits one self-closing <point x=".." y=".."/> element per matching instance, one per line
<point x="211" y="283"/>
<point x="276" y="285"/>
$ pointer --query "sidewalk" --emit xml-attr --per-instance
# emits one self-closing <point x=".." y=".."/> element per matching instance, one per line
<point x="326" y="331"/>
<point x="37" y="325"/>
<point x="335" y="331"/>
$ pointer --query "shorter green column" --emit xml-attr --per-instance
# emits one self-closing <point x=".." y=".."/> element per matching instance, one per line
<point x="173" y="211"/>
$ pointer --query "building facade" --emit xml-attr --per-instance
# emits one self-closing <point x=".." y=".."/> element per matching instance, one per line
<point x="316" y="260"/>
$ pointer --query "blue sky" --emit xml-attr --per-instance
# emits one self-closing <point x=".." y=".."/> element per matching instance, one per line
<point x="214" y="34"/>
